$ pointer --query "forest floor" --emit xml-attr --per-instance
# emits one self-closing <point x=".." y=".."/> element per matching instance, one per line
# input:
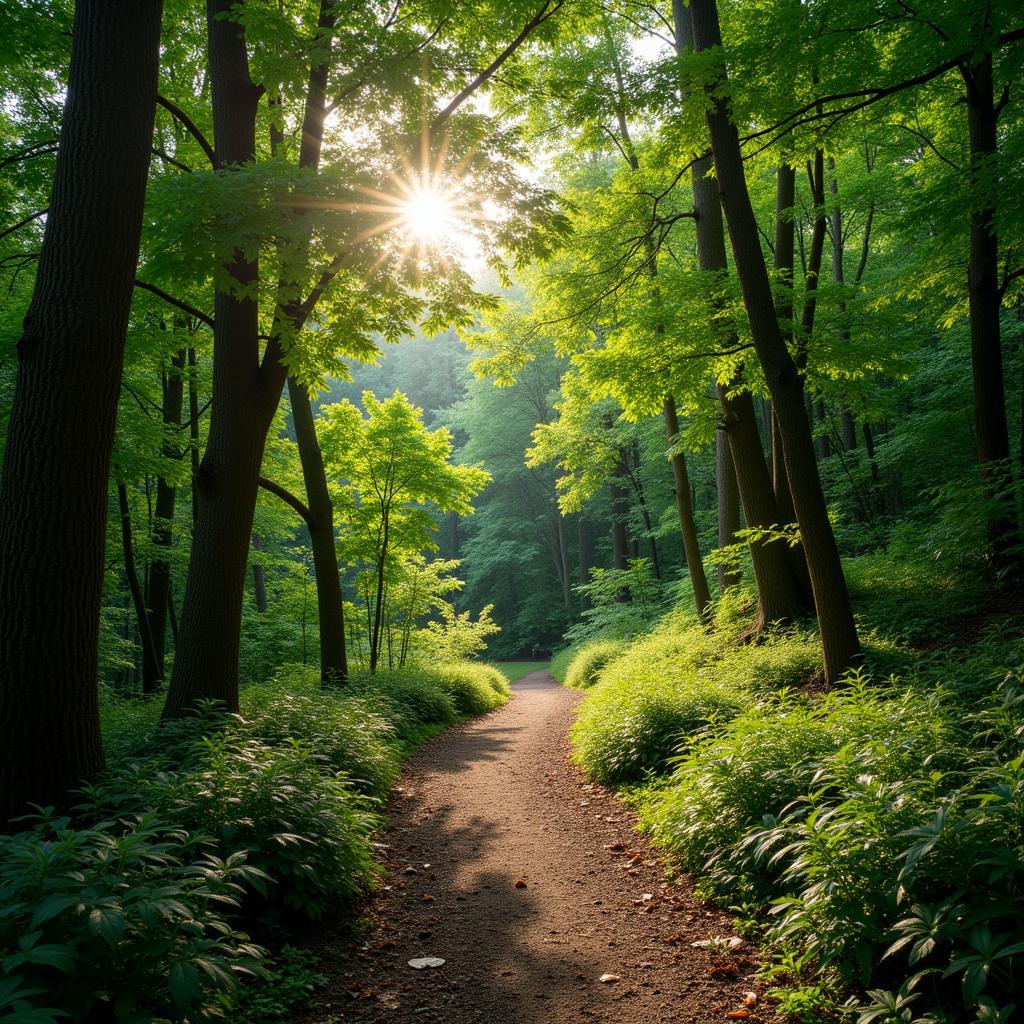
<point x="531" y="884"/>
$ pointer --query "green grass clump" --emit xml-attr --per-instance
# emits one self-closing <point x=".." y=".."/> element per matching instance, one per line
<point x="590" y="659"/>
<point x="560" y="662"/>
<point x="632" y="726"/>
<point x="416" y="702"/>
<point x="475" y="688"/>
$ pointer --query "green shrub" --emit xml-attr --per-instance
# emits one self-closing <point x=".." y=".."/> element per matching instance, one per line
<point x="495" y="677"/>
<point x="303" y="825"/>
<point x="590" y="659"/>
<point x="630" y="727"/>
<point x="413" y="700"/>
<point x="349" y="732"/>
<point x="470" y="688"/>
<point x="560" y="662"/>
<point x="126" y="920"/>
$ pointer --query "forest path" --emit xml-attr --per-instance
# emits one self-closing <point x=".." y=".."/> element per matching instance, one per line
<point x="495" y="802"/>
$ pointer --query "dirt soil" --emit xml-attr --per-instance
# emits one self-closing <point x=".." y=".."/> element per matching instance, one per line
<point x="531" y="884"/>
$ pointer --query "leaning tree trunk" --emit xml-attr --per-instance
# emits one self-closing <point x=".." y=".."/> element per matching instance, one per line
<point x="61" y="424"/>
<point x="985" y="300"/>
<point x="687" y="525"/>
<point x="333" y="662"/>
<point x="163" y="526"/>
<point x="778" y="595"/>
<point x="840" y="644"/>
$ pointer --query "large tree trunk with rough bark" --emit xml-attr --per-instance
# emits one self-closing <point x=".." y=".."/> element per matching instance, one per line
<point x="333" y="662"/>
<point x="245" y="397"/>
<point x="61" y="424"/>
<point x="840" y="643"/>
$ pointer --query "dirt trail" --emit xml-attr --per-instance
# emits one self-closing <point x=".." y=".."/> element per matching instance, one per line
<point x="494" y="803"/>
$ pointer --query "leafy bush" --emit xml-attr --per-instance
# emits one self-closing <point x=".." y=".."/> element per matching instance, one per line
<point x="414" y="700"/>
<point x="497" y="679"/>
<point x="349" y="732"/>
<point x="585" y="667"/>
<point x="302" y="824"/>
<point x="886" y="827"/>
<point x="630" y="727"/>
<point x="471" y="687"/>
<point x="560" y="662"/>
<point x="127" y="920"/>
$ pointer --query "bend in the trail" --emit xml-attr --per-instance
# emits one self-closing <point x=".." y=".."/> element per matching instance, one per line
<point x="531" y="884"/>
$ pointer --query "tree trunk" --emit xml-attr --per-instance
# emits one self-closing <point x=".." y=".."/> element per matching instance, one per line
<point x="245" y="397"/>
<point x="150" y="667"/>
<point x="778" y="597"/>
<point x="61" y="423"/>
<point x="728" y="507"/>
<point x="992" y="433"/>
<point x="847" y="426"/>
<point x="333" y="661"/>
<point x="582" y="543"/>
<point x="163" y="526"/>
<point x="784" y="258"/>
<point x="687" y="525"/>
<point x="620" y="510"/>
<point x="835" y="616"/>
<point x="259" y="578"/>
<point x="563" y="564"/>
<point x="378" y="608"/>
<point x="193" y="427"/>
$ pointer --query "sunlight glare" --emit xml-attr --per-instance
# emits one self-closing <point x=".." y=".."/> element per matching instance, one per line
<point x="428" y="214"/>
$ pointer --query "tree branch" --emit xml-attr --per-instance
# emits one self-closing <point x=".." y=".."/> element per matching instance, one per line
<point x="177" y="303"/>
<point x="545" y="11"/>
<point x="21" y="223"/>
<point x="167" y="158"/>
<point x="289" y="499"/>
<point x="190" y="126"/>
<point x="29" y="152"/>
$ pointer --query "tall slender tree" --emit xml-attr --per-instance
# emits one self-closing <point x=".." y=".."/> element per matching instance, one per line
<point x="840" y="643"/>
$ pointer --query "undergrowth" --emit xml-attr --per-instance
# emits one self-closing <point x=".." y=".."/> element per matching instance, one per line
<point x="138" y="906"/>
<point x="873" y="835"/>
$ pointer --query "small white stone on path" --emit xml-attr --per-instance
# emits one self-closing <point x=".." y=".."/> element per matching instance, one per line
<point x="607" y="979"/>
<point x="426" y="961"/>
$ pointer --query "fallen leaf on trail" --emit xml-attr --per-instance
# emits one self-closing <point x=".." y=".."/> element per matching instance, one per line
<point x="607" y="979"/>
<point x="737" y="1015"/>
<point x="724" y="971"/>
<point x="420" y="962"/>
<point x="520" y="884"/>
<point x="426" y="899"/>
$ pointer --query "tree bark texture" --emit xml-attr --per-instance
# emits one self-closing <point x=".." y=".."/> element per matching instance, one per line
<point x="61" y="425"/>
